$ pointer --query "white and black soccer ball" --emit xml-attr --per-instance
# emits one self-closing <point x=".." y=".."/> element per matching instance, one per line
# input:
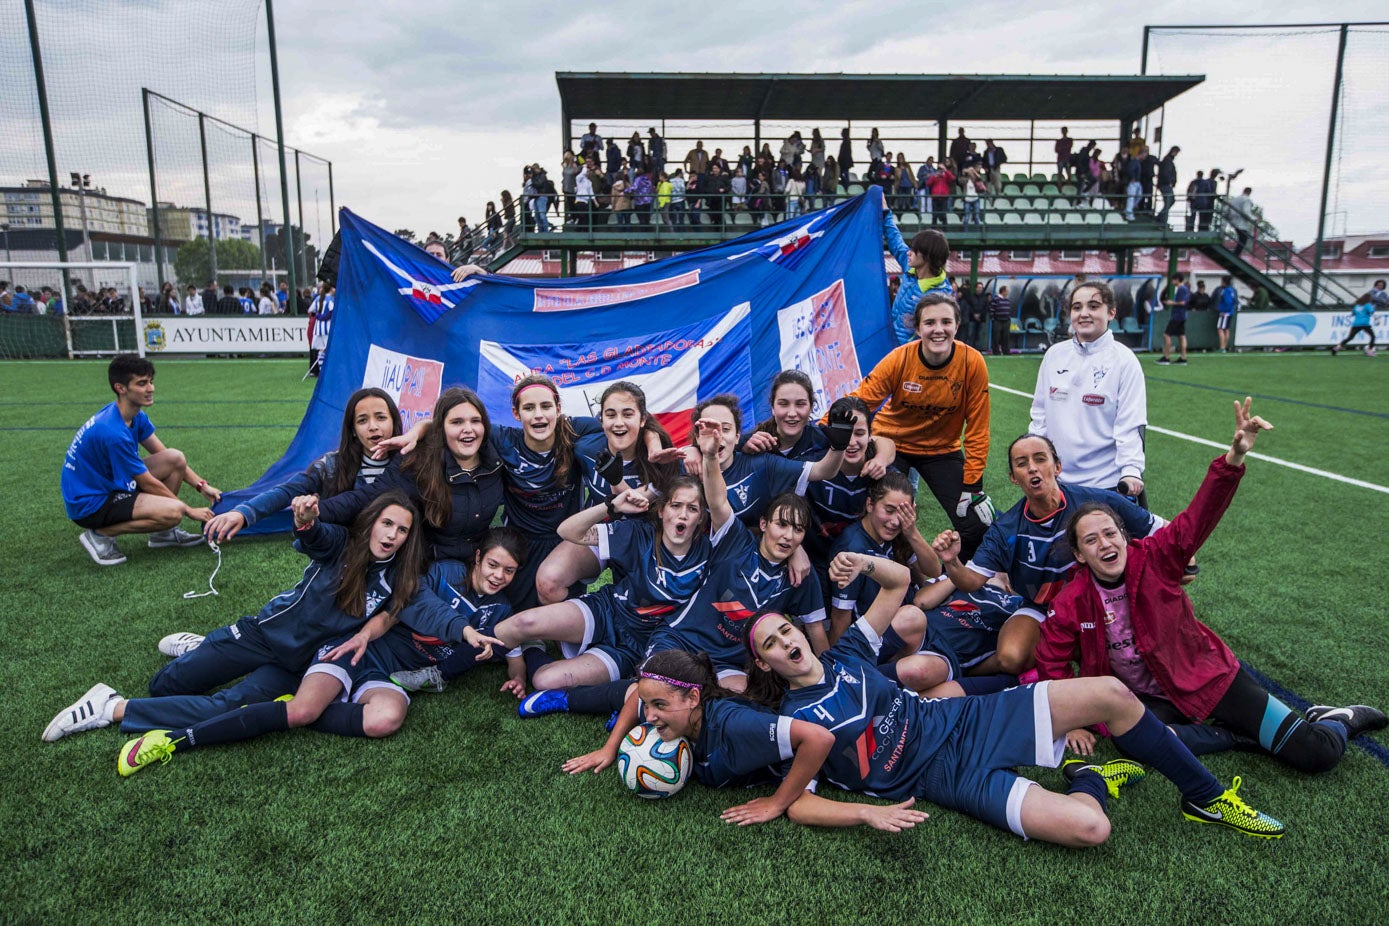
<point x="651" y="767"/>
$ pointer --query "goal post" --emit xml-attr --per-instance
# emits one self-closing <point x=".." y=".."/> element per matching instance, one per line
<point x="42" y="333"/>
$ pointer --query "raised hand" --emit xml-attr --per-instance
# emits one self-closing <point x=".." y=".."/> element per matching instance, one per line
<point x="759" y="442"/>
<point x="305" y="508"/>
<point x="1247" y="428"/>
<point x="947" y="546"/>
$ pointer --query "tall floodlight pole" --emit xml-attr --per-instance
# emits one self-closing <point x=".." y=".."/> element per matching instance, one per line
<point x="207" y="200"/>
<point x="1326" y="168"/>
<point x="260" y="216"/>
<point x="291" y="303"/>
<point x="154" y="192"/>
<point x="53" y="191"/>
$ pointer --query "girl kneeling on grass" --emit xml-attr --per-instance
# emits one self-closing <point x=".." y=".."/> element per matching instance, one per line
<point x="377" y="706"/>
<point x="351" y="577"/>
<point x="1127" y="616"/>
<point x="736" y="743"/>
<point x="960" y="752"/>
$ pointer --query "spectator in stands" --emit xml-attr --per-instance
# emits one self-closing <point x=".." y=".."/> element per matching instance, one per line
<point x="282" y="297"/>
<point x="817" y="150"/>
<point x="508" y="218"/>
<point x="811" y="175"/>
<point x="778" y="176"/>
<point x="268" y="304"/>
<point x="1148" y="180"/>
<point x="463" y="247"/>
<point x="1179" y="303"/>
<point x="1133" y="185"/>
<point x="636" y="157"/>
<point x="715" y="187"/>
<point x="697" y="160"/>
<point x="655" y="151"/>
<point x="568" y="179"/>
<point x="795" y="192"/>
<point x="614" y="157"/>
<point x="663" y="198"/>
<point x="1136" y="144"/>
<point x="694" y="186"/>
<point x="528" y="194"/>
<point x="544" y="194"/>
<point x="493" y="221"/>
<point x="1093" y="181"/>
<point x="591" y="143"/>
<point x="621" y="202"/>
<point x="746" y="161"/>
<point x="643" y="197"/>
<point x="738" y="190"/>
<point x="23" y="303"/>
<point x="923" y="186"/>
<point x="247" y="300"/>
<point x="875" y="147"/>
<point x="192" y="303"/>
<point x="994" y="159"/>
<point x="1063" y="152"/>
<point x="1193" y="191"/>
<point x="903" y="185"/>
<point x="1200" y="300"/>
<point x="228" y="304"/>
<point x="1240" y="215"/>
<point x="846" y="158"/>
<point x="959" y="150"/>
<point x="940" y="183"/>
<point x="677" y="198"/>
<point x="971" y="188"/>
<point x="1001" y="315"/>
<point x="722" y="161"/>
<point x="583" y="201"/>
<point x="1167" y="182"/>
<point x="1204" y="203"/>
<point x="829" y="181"/>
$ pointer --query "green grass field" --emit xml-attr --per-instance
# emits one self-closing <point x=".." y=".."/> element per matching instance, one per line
<point x="464" y="816"/>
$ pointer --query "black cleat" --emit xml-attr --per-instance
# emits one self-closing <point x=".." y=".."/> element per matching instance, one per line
<point x="1357" y="718"/>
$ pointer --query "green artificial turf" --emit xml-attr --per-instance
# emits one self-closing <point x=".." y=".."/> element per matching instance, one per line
<point x="464" y="815"/>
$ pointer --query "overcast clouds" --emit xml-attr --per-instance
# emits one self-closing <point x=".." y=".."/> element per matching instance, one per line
<point x="428" y="110"/>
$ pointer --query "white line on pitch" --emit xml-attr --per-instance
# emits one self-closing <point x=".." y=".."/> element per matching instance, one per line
<point x="1337" y="477"/>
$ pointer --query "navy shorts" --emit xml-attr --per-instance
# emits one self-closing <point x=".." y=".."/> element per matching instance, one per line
<point x="960" y="645"/>
<point x="1223" y="322"/>
<point x="973" y="771"/>
<point x="118" y="508"/>
<point x="1175" y="329"/>
<point x="607" y="635"/>
<point x="373" y="671"/>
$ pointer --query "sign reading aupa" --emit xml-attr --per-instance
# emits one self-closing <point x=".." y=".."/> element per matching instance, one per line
<point x="807" y="294"/>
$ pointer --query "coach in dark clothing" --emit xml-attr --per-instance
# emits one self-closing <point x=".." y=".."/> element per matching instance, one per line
<point x="974" y="307"/>
<point x="209" y="296"/>
<point x="228" y="304"/>
<point x="1001" y="315"/>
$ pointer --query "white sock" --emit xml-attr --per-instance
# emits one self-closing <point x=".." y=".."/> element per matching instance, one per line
<point x="108" y="710"/>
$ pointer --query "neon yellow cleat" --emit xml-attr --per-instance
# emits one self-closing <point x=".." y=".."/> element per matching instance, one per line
<point x="154" y="746"/>
<point x="1116" y="772"/>
<point x="1229" y="809"/>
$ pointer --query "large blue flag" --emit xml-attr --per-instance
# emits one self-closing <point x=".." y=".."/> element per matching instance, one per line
<point x="805" y="294"/>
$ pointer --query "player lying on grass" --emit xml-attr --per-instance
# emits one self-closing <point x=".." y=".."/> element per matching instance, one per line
<point x="960" y="752"/>
<point x="347" y="689"/>
<point x="626" y="455"/>
<point x="658" y="563"/>
<point x="887" y="529"/>
<point x="109" y="490"/>
<point x="369" y="418"/>
<point x="1127" y="616"/>
<point x="350" y="578"/>
<point x="1025" y="544"/>
<point x="961" y="637"/>
<point x="736" y="744"/>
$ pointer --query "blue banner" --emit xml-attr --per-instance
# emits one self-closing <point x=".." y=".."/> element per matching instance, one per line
<point x="806" y="294"/>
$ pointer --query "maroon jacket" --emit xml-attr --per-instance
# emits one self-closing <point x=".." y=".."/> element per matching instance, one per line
<point x="1191" y="665"/>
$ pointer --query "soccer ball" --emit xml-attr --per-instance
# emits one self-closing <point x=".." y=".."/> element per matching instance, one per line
<point x="650" y="766"/>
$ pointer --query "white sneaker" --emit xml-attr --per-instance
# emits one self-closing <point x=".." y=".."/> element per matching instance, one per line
<point x="176" y="537"/>
<point x="86" y="713"/>
<point x="101" y="549"/>
<point x="430" y="678"/>
<point x="176" y="644"/>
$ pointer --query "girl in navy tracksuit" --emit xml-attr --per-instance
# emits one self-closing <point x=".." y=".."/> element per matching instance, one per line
<point x="370" y="417"/>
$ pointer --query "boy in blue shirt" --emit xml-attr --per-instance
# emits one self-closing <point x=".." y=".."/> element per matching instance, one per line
<point x="1362" y="319"/>
<point x="110" y="490"/>
<point x="1226" y="301"/>
<point x="1176" y="323"/>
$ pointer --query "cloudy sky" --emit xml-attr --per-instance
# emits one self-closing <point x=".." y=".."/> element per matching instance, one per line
<point x="429" y="110"/>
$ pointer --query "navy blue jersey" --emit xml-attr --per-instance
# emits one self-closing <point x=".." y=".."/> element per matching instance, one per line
<point x="297" y="621"/>
<point x="739" y="583"/>
<point x="753" y="481"/>
<point x="859" y="594"/>
<point x="447" y="602"/>
<point x="834" y="505"/>
<point x="586" y="452"/>
<point x="653" y="583"/>
<point x="535" y="503"/>
<point x="964" y="630"/>
<point x="810" y="447"/>
<point x="884" y="735"/>
<point x="310" y="482"/>
<point x="1035" y="554"/>
<point x="741" y="744"/>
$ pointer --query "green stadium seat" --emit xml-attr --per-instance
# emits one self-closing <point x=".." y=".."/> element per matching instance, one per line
<point x="1039" y="178"/>
<point x="909" y="220"/>
<point x="1072" y="217"/>
<point x="1020" y="178"/>
<point x="1031" y="190"/>
<point x="1051" y="189"/>
<point x="1068" y="189"/>
<point x="855" y="189"/>
<point x="1033" y="218"/>
<point x="742" y="218"/>
<point x="1062" y="202"/>
<point x="1130" y="325"/>
<point x="1114" y="217"/>
<point x="1041" y="203"/>
<point x="1012" y="218"/>
<point x="1001" y="204"/>
<point x="1093" y="218"/>
<point x="1011" y="189"/>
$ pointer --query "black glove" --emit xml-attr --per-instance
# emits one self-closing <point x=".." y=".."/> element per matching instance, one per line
<point x="609" y="467"/>
<point x="840" y="429"/>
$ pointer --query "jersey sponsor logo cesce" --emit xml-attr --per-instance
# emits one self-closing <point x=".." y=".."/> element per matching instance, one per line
<point x="911" y="387"/>
<point x="1091" y="398"/>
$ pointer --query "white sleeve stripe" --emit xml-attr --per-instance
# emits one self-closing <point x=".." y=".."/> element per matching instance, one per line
<point x="722" y="532"/>
<point x="604" y="543"/>
<point x="783" y="737"/>
<point x="804" y="481"/>
<point x="986" y="573"/>
<point x="865" y="628"/>
<point x="814" y="617"/>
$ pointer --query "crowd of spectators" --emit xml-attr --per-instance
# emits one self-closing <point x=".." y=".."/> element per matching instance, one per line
<point x="607" y="182"/>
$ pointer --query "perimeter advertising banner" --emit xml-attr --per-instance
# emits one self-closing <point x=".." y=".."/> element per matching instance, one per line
<point x="807" y="294"/>
<point x="227" y="334"/>
<point x="1301" y="329"/>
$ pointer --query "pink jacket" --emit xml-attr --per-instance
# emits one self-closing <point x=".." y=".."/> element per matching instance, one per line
<point x="1189" y="662"/>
